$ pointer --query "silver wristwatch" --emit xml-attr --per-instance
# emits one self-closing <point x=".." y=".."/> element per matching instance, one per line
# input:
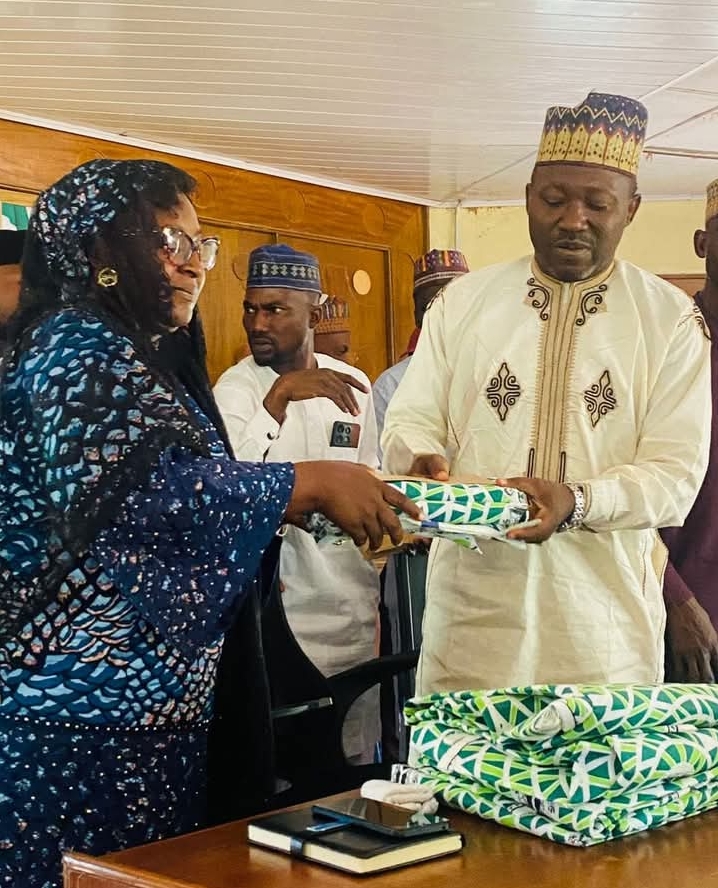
<point x="575" y="519"/>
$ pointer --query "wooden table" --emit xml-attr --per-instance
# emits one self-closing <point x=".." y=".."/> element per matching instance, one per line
<point x="682" y="855"/>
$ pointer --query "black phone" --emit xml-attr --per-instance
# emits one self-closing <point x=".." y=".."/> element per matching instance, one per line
<point x="379" y="817"/>
<point x="345" y="434"/>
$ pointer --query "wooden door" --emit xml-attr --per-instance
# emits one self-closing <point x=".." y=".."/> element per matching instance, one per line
<point x="359" y="275"/>
<point x="221" y="301"/>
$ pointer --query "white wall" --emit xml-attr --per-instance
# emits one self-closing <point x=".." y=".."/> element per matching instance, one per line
<point x="660" y="239"/>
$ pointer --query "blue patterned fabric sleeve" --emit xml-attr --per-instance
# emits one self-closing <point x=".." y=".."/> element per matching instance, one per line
<point x="91" y="432"/>
<point x="184" y="543"/>
<point x="98" y="414"/>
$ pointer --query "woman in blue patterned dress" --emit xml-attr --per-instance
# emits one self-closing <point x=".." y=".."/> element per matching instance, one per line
<point x="128" y="535"/>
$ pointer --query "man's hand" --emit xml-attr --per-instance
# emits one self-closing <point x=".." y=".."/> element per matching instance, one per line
<point x="351" y="496"/>
<point x="430" y="465"/>
<point x="549" y="502"/>
<point x="692" y="643"/>
<point x="301" y="385"/>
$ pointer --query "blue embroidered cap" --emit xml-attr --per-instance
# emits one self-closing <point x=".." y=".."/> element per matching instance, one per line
<point x="278" y="265"/>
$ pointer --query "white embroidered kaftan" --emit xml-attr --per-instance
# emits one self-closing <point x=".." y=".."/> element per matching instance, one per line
<point x="605" y="382"/>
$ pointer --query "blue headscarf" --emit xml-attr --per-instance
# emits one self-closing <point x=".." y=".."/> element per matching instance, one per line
<point x="69" y="214"/>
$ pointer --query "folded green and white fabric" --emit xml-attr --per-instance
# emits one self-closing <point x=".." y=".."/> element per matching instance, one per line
<point x="463" y="513"/>
<point x="451" y="503"/>
<point x="579" y="765"/>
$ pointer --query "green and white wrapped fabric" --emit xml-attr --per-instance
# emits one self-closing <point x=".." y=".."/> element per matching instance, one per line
<point x="462" y="512"/>
<point x="455" y="504"/>
<point x="14" y="217"/>
<point x="576" y="764"/>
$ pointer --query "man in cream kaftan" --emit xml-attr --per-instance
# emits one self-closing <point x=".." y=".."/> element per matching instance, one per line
<point x="602" y="381"/>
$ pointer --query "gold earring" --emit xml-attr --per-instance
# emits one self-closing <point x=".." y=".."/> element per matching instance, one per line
<point x="107" y="277"/>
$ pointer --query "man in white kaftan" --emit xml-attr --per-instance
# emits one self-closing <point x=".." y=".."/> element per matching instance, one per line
<point x="588" y="380"/>
<point x="432" y="272"/>
<point x="331" y="593"/>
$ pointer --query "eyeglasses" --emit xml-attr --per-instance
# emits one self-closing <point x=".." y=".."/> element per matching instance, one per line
<point x="180" y="247"/>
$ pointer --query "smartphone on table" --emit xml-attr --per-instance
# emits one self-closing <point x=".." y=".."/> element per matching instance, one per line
<point x="388" y="820"/>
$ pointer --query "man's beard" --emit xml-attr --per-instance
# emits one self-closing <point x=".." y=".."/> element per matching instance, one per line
<point x="265" y="360"/>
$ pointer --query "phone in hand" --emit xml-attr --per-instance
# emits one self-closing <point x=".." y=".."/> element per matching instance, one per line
<point x="379" y="817"/>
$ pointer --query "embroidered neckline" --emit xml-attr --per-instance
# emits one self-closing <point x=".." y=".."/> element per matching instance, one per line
<point x="588" y="284"/>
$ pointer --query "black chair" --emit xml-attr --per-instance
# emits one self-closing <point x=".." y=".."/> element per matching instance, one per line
<point x="410" y="572"/>
<point x="308" y="709"/>
<point x="404" y="595"/>
<point x="240" y="761"/>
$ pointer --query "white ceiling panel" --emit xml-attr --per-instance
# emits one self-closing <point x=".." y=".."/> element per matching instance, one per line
<point x="665" y="177"/>
<point x="700" y="133"/>
<point x="439" y="101"/>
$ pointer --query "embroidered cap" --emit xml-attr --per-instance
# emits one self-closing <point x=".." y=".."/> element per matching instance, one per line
<point x="11" y="246"/>
<point x="604" y="130"/>
<point x="335" y="316"/>
<point x="439" y="265"/>
<point x="278" y="265"/>
<point x="712" y="200"/>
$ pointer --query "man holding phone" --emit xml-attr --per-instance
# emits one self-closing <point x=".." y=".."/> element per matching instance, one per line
<point x="288" y="403"/>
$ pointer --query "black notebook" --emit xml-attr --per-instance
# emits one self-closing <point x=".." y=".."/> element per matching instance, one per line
<point x="352" y="849"/>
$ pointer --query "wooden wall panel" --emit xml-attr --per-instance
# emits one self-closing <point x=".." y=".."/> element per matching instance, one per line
<point x="368" y="315"/>
<point x="348" y="231"/>
<point x="221" y="300"/>
<point x="691" y="283"/>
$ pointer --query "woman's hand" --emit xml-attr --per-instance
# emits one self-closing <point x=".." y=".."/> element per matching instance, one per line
<point x="351" y="496"/>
